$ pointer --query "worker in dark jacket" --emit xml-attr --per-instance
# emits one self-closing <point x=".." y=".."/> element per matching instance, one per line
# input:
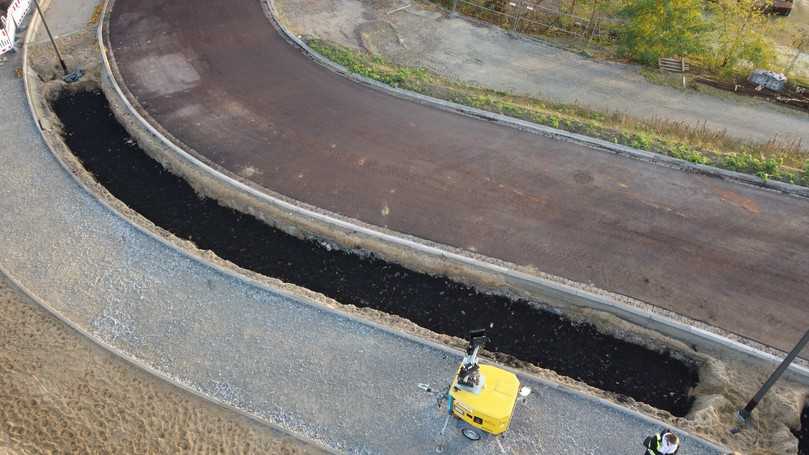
<point x="663" y="443"/>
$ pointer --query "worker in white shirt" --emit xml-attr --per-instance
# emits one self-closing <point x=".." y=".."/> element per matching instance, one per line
<point x="663" y="443"/>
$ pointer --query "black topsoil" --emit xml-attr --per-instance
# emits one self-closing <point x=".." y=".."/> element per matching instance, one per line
<point x="515" y="328"/>
<point x="803" y="433"/>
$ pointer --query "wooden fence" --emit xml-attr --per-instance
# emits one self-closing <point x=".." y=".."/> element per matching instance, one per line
<point x="675" y="65"/>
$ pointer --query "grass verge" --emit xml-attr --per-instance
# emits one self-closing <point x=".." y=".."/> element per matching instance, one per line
<point x="780" y="160"/>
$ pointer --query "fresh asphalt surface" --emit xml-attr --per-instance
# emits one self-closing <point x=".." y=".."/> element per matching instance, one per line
<point x="320" y="374"/>
<point x="220" y="79"/>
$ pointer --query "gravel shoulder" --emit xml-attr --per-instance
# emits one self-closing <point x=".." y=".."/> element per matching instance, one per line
<point x="486" y="56"/>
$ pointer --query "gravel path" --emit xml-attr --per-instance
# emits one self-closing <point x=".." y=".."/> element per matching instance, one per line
<point x="342" y="382"/>
<point x="487" y="56"/>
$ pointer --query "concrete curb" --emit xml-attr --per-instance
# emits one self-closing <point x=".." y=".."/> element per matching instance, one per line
<point x="558" y="292"/>
<point x="535" y="128"/>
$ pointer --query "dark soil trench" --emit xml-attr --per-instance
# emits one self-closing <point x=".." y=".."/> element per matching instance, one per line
<point x="516" y="328"/>
<point x="803" y="433"/>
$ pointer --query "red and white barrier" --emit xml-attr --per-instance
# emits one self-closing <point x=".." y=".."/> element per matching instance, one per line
<point x="8" y="25"/>
<point x="6" y="43"/>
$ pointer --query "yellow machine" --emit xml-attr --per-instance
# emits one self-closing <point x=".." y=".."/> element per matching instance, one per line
<point x="483" y="396"/>
<point x="491" y="408"/>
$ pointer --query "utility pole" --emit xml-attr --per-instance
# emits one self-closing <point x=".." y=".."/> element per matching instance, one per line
<point x="744" y="414"/>
<point x="55" y="48"/>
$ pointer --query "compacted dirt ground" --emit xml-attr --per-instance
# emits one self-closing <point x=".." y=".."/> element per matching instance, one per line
<point x="60" y="393"/>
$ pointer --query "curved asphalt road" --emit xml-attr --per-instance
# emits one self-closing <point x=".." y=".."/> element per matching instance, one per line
<point x="221" y="80"/>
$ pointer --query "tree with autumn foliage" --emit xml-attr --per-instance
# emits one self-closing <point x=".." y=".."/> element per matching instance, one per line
<point x="663" y="28"/>
<point x="740" y="34"/>
<point x="723" y="35"/>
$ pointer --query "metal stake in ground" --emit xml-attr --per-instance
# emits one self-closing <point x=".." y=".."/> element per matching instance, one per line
<point x="48" y="30"/>
<point x="744" y="414"/>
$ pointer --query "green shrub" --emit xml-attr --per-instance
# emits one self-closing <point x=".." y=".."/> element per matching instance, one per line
<point x="662" y="28"/>
<point x="760" y="166"/>
<point x="641" y="141"/>
<point x="682" y="152"/>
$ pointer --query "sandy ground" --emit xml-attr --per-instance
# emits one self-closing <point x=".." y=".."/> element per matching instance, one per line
<point x="60" y="393"/>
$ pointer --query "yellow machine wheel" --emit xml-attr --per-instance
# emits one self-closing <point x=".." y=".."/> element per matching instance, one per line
<point x="471" y="434"/>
